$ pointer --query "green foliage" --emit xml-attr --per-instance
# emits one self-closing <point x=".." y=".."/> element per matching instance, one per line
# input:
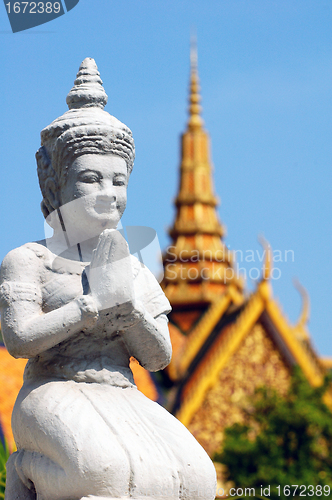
<point x="286" y="441"/>
<point x="4" y="455"/>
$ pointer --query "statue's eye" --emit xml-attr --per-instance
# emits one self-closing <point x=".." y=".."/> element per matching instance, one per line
<point x="89" y="178"/>
<point x="92" y="179"/>
<point x="119" y="181"/>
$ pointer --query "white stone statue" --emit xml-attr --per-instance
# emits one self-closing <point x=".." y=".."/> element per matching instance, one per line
<point x="78" y="306"/>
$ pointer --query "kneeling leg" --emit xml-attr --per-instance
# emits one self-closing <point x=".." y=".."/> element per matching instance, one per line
<point x="17" y="487"/>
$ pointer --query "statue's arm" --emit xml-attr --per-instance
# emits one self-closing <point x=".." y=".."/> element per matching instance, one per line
<point x="27" y="331"/>
<point x="148" y="340"/>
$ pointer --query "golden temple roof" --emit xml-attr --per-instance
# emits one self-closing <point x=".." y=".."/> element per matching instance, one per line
<point x="327" y="363"/>
<point x="292" y="340"/>
<point x="212" y="316"/>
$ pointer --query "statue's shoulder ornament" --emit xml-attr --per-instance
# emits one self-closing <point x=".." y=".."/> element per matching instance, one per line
<point x="18" y="277"/>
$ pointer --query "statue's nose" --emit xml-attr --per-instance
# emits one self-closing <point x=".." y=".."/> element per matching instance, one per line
<point x="107" y="194"/>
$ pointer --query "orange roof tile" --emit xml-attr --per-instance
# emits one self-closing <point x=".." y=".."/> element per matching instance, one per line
<point x="11" y="380"/>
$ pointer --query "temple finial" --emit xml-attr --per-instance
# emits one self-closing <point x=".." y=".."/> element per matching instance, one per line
<point x="305" y="312"/>
<point x="268" y="262"/>
<point x="195" y="121"/>
<point x="193" y="53"/>
<point x="88" y="90"/>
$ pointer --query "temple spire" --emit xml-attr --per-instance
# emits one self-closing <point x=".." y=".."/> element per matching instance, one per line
<point x="198" y="265"/>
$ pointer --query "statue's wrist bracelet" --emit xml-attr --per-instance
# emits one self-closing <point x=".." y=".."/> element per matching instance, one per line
<point x="88" y="307"/>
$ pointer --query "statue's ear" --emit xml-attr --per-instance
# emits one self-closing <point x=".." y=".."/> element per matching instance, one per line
<point x="52" y="192"/>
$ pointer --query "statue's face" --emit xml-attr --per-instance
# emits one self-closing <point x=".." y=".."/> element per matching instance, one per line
<point x="94" y="195"/>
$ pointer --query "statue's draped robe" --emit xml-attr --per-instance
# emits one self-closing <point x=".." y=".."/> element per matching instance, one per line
<point x="81" y="425"/>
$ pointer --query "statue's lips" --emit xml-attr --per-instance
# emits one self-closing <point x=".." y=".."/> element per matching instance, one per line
<point x="105" y="207"/>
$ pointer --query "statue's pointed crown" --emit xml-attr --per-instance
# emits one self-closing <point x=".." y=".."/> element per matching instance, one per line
<point x="87" y="122"/>
<point x="88" y="90"/>
<point x="84" y="129"/>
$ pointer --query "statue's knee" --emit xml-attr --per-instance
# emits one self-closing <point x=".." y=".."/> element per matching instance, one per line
<point x="206" y="482"/>
<point x="10" y="465"/>
<point x="18" y="487"/>
<point x="199" y="480"/>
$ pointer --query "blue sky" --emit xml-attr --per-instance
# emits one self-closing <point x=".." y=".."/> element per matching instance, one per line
<point x="265" y="71"/>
